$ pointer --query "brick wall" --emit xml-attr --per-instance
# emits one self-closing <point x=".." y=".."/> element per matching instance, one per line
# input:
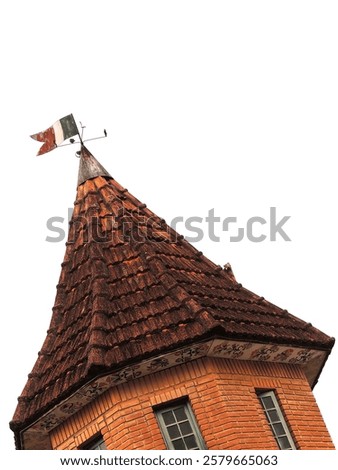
<point x="222" y="394"/>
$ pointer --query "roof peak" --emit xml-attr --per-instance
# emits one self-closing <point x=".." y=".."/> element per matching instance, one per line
<point x="89" y="167"/>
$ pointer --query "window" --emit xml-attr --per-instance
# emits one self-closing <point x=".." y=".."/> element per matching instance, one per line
<point x="179" y="427"/>
<point x="96" y="443"/>
<point x="276" y="420"/>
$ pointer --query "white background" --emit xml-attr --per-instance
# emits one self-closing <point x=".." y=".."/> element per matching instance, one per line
<point x="231" y="105"/>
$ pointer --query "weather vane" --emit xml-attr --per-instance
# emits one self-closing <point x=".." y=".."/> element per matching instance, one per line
<point x="62" y="130"/>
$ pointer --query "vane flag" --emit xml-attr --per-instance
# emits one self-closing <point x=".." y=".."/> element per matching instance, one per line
<point x="53" y="136"/>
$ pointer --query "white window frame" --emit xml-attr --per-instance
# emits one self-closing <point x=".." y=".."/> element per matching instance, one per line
<point x="190" y="418"/>
<point x="281" y="420"/>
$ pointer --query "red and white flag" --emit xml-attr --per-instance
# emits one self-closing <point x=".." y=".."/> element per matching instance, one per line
<point x="53" y="136"/>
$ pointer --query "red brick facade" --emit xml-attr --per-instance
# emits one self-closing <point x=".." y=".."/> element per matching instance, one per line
<point x="222" y="394"/>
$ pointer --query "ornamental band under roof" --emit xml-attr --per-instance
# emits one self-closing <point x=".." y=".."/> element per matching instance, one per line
<point x="131" y="289"/>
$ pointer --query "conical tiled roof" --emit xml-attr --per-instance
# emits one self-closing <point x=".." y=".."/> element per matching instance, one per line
<point x="130" y="289"/>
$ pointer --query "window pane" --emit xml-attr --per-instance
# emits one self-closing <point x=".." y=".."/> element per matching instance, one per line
<point x="185" y="428"/>
<point x="279" y="429"/>
<point x="273" y="416"/>
<point x="284" y="443"/>
<point x="179" y="444"/>
<point x="173" y="431"/>
<point x="268" y="403"/>
<point x="190" y="442"/>
<point x="180" y="414"/>
<point x="168" y="417"/>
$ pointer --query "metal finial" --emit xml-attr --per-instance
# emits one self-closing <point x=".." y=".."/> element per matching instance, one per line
<point x="89" y="167"/>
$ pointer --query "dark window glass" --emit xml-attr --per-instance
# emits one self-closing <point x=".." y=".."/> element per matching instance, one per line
<point x="179" y="444"/>
<point x="168" y="417"/>
<point x="268" y="403"/>
<point x="273" y="416"/>
<point x="190" y="442"/>
<point x="180" y="414"/>
<point x="279" y="428"/>
<point x="185" y="428"/>
<point x="95" y="444"/>
<point x="173" y="431"/>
